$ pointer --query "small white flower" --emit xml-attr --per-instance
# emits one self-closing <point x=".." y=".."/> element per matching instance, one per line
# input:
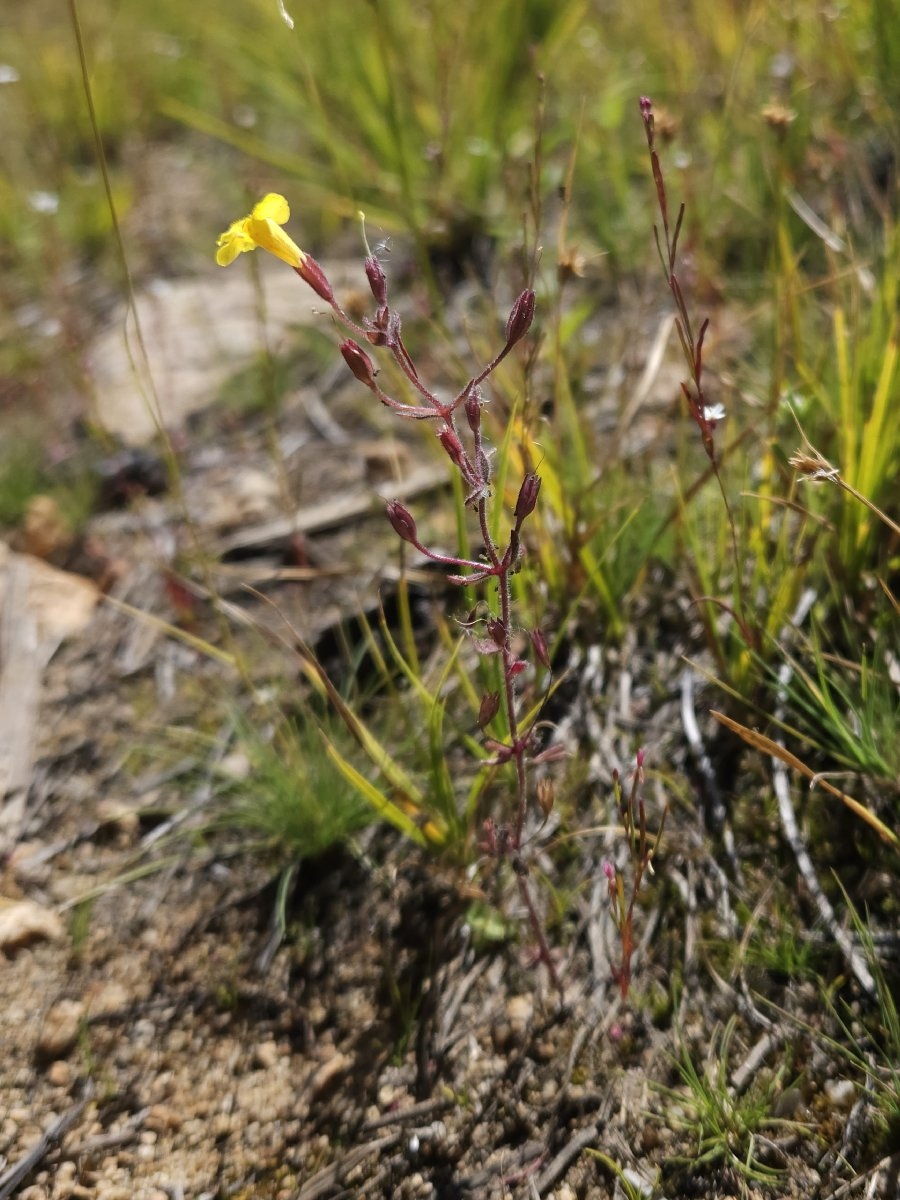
<point x="43" y="202"/>
<point x="713" y="412"/>
<point x="9" y="74"/>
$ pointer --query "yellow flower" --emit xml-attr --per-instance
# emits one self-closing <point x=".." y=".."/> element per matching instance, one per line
<point x="262" y="228"/>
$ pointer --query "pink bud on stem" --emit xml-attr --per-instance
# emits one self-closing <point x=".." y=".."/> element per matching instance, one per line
<point x="527" y="498"/>
<point x="402" y="522"/>
<point x="359" y="362"/>
<point x="310" y="272"/>
<point x="520" y="318"/>
<point x="377" y="280"/>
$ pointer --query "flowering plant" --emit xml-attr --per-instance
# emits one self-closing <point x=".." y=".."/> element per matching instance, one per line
<point x="460" y="433"/>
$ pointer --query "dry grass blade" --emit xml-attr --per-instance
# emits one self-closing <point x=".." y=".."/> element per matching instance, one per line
<point x="759" y="741"/>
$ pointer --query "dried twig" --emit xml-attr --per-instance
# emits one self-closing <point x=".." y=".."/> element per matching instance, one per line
<point x="14" y="1176"/>
<point x="558" y="1166"/>
<point x="715" y="803"/>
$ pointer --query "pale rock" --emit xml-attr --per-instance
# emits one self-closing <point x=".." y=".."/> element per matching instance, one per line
<point x="107" y="997"/>
<point x="841" y="1093"/>
<point x="60" y="1073"/>
<point x="61" y="603"/>
<point x="235" y="766"/>
<point x="519" y="1011"/>
<point x="265" y="1055"/>
<point x="163" y="1119"/>
<point x="64" y="1180"/>
<point x="511" y="1028"/>
<point x="59" y="1031"/>
<point x="25" y="862"/>
<point x="24" y="921"/>
<point x="201" y="331"/>
<point x="232" y="498"/>
<point x="119" y="814"/>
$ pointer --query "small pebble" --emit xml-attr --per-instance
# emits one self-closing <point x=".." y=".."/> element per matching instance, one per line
<point x="59" y="1031"/>
<point x="328" y="1074"/>
<point x="265" y="1055"/>
<point x="105" y="998"/>
<point x="60" y="1073"/>
<point x="162" y="1119"/>
<point x="512" y="1028"/>
<point x="841" y="1093"/>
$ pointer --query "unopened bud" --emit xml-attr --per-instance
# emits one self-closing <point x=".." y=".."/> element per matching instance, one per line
<point x="520" y="317"/>
<point x="490" y="706"/>
<point x="527" y="498"/>
<point x="497" y="632"/>
<point x="359" y="362"/>
<point x="451" y="443"/>
<point x="473" y="409"/>
<point x="546" y="796"/>
<point x="646" y="106"/>
<point x="539" y="645"/>
<point x="516" y="668"/>
<point x="377" y="279"/>
<point x="401" y="520"/>
<point x="310" y="272"/>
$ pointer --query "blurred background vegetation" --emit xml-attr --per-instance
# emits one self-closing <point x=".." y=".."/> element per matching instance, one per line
<point x="425" y="115"/>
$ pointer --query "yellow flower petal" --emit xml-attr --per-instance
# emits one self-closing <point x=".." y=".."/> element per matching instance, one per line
<point x="272" y="208"/>
<point x="234" y="241"/>
<point x="269" y="236"/>
<point x="261" y="228"/>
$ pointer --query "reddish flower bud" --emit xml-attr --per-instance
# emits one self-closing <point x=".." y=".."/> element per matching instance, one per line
<point x="359" y="362"/>
<point x="454" y="447"/>
<point x="646" y="106"/>
<point x="377" y="280"/>
<point x="527" y="498"/>
<point x="516" y="668"/>
<point x="473" y="409"/>
<point x="539" y="645"/>
<point x="496" y="632"/>
<point x="490" y="706"/>
<point x="401" y="520"/>
<point x="520" y="317"/>
<point x="310" y="272"/>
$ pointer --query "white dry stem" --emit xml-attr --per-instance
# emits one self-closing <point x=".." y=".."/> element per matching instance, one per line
<point x="791" y="828"/>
